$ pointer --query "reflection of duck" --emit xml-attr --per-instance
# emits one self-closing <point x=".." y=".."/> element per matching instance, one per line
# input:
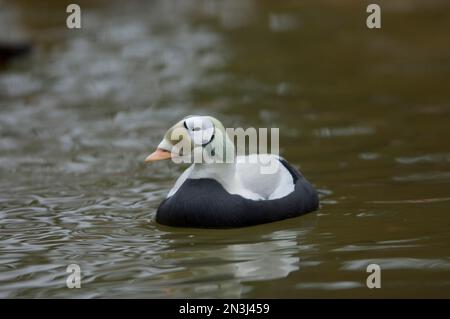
<point x="223" y="193"/>
<point x="231" y="263"/>
<point x="9" y="51"/>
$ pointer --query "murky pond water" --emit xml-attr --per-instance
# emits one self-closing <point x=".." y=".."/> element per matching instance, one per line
<point x="364" y="113"/>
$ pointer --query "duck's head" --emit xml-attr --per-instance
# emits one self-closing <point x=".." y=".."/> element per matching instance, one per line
<point x="195" y="136"/>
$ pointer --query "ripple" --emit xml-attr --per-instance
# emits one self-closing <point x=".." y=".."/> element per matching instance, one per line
<point x="428" y="176"/>
<point x="339" y="285"/>
<point x="411" y="201"/>
<point x="431" y="158"/>
<point x="399" y="263"/>
<point x="17" y="84"/>
<point x="369" y="156"/>
<point x="283" y="22"/>
<point x="368" y="247"/>
<point x="328" y="132"/>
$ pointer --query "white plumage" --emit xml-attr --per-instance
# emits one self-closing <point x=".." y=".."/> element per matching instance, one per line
<point x="244" y="177"/>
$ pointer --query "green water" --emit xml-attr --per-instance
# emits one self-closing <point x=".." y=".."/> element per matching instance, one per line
<point x="364" y="113"/>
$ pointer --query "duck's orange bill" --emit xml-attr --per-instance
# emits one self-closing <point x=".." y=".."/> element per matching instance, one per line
<point x="158" y="155"/>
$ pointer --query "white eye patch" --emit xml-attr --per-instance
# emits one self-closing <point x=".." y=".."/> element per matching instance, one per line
<point x="200" y="128"/>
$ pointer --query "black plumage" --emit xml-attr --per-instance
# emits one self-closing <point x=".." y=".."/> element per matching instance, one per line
<point x="204" y="203"/>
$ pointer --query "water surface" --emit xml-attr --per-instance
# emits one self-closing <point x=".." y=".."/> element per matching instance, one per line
<point x="364" y="114"/>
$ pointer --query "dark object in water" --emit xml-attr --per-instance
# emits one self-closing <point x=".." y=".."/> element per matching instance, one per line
<point x="12" y="50"/>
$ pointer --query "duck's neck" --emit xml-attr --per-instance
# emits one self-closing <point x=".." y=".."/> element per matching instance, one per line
<point x="222" y="170"/>
<point x="218" y="171"/>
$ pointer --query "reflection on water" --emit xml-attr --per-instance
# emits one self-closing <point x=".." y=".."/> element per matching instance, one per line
<point x="365" y="114"/>
<point x="219" y="265"/>
<point x="143" y="258"/>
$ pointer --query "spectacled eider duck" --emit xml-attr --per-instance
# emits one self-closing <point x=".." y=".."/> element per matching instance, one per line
<point x="225" y="193"/>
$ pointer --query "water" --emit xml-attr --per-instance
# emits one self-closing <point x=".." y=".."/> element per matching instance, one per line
<point x="364" y="113"/>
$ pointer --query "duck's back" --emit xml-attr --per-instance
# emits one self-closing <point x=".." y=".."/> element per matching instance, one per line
<point x="205" y="203"/>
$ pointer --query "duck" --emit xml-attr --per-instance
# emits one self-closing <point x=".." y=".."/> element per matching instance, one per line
<point x="223" y="189"/>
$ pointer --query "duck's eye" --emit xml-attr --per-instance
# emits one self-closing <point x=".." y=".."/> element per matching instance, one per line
<point x="196" y="129"/>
